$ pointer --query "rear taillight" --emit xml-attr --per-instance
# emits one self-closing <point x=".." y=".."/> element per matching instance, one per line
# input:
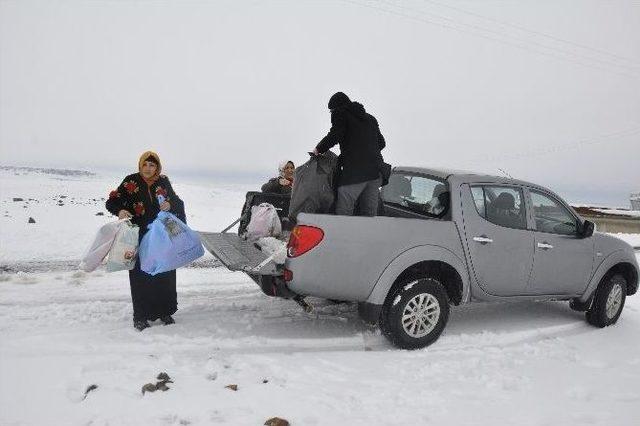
<point x="303" y="238"/>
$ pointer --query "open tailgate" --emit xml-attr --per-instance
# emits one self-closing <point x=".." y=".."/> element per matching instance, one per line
<point x="238" y="254"/>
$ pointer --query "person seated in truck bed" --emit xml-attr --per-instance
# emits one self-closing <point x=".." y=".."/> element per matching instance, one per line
<point x="284" y="182"/>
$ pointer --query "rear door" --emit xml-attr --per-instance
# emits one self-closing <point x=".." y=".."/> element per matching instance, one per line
<point x="499" y="243"/>
<point x="563" y="261"/>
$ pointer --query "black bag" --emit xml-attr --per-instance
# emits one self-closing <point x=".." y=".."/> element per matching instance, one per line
<point x="314" y="185"/>
<point x="385" y="172"/>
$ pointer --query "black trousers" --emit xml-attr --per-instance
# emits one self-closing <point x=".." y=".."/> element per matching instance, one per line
<point x="152" y="296"/>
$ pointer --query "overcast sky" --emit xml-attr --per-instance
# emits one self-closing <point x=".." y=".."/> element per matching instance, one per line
<point x="547" y="90"/>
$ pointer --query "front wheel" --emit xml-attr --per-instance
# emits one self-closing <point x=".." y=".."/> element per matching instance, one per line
<point x="414" y="315"/>
<point x="608" y="301"/>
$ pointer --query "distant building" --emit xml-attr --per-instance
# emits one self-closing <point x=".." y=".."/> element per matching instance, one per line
<point x="613" y="220"/>
<point x="635" y="201"/>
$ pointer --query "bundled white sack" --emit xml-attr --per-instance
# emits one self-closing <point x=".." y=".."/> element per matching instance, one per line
<point x="273" y="246"/>
<point x="122" y="255"/>
<point x="100" y="247"/>
<point x="264" y="222"/>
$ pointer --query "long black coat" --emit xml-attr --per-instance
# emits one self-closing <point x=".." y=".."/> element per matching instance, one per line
<point x="153" y="296"/>
<point x="360" y="141"/>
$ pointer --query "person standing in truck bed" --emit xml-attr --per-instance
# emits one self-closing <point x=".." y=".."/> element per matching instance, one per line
<point x="361" y="141"/>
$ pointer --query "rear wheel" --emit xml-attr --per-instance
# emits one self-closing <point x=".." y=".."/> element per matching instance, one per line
<point x="608" y="301"/>
<point x="414" y="315"/>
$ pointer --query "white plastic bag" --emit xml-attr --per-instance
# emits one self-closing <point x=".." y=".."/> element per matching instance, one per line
<point x="274" y="247"/>
<point x="264" y="222"/>
<point x="122" y="255"/>
<point x="100" y="247"/>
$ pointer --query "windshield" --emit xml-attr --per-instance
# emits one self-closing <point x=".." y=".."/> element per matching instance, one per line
<point x="418" y="193"/>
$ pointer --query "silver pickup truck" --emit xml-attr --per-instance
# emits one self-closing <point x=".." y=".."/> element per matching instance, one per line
<point x="445" y="238"/>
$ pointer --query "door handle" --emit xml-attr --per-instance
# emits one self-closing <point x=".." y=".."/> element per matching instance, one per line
<point x="545" y="246"/>
<point x="483" y="239"/>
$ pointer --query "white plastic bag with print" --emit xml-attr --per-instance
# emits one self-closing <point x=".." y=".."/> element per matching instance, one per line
<point x="122" y="255"/>
<point x="100" y="247"/>
<point x="264" y="222"/>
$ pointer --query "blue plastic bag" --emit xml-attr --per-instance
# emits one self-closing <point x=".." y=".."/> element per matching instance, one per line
<point x="168" y="244"/>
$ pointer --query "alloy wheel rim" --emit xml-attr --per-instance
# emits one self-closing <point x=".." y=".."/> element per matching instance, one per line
<point x="420" y="315"/>
<point x="614" y="300"/>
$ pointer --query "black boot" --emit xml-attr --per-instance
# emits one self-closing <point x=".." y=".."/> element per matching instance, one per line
<point x="167" y="320"/>
<point x="140" y="324"/>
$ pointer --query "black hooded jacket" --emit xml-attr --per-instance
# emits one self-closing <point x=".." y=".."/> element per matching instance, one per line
<point x="360" y="141"/>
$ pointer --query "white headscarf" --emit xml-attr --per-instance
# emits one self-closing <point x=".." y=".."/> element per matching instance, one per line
<point x="282" y="165"/>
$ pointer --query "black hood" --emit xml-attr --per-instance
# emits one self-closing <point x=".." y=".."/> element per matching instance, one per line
<point x="338" y="100"/>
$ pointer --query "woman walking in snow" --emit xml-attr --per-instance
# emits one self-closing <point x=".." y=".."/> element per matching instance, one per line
<point x="153" y="297"/>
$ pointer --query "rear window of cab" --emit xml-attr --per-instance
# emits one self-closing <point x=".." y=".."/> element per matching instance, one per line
<point x="418" y="193"/>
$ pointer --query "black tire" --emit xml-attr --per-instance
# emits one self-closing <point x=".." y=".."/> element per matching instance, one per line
<point x="579" y="306"/>
<point x="405" y="297"/>
<point x="610" y="286"/>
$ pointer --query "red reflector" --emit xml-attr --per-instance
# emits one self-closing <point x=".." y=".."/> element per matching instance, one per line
<point x="288" y="275"/>
<point x="303" y="238"/>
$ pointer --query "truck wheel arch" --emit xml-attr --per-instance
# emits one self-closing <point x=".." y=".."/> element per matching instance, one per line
<point x="420" y="262"/>
<point x="616" y="262"/>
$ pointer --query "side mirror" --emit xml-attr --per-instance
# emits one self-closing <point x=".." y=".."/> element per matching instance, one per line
<point x="586" y="229"/>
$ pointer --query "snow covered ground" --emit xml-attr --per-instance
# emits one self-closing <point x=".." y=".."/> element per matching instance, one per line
<point x="66" y="205"/>
<point x="524" y="363"/>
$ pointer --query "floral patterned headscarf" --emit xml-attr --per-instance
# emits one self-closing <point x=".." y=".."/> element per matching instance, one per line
<point x="150" y="156"/>
<point x="154" y="157"/>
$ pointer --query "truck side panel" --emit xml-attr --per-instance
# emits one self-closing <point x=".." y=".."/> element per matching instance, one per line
<point x="411" y="257"/>
<point x="355" y="251"/>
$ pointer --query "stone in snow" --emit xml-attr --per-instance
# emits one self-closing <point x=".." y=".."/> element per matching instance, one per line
<point x="276" y="421"/>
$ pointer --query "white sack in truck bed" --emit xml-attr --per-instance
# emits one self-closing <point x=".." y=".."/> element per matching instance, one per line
<point x="271" y="245"/>
<point x="313" y="185"/>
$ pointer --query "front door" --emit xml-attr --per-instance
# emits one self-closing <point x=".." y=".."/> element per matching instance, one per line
<point x="499" y="243"/>
<point x="563" y="261"/>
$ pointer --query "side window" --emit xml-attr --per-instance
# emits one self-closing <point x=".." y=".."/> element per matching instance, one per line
<point x="551" y="216"/>
<point x="501" y="205"/>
